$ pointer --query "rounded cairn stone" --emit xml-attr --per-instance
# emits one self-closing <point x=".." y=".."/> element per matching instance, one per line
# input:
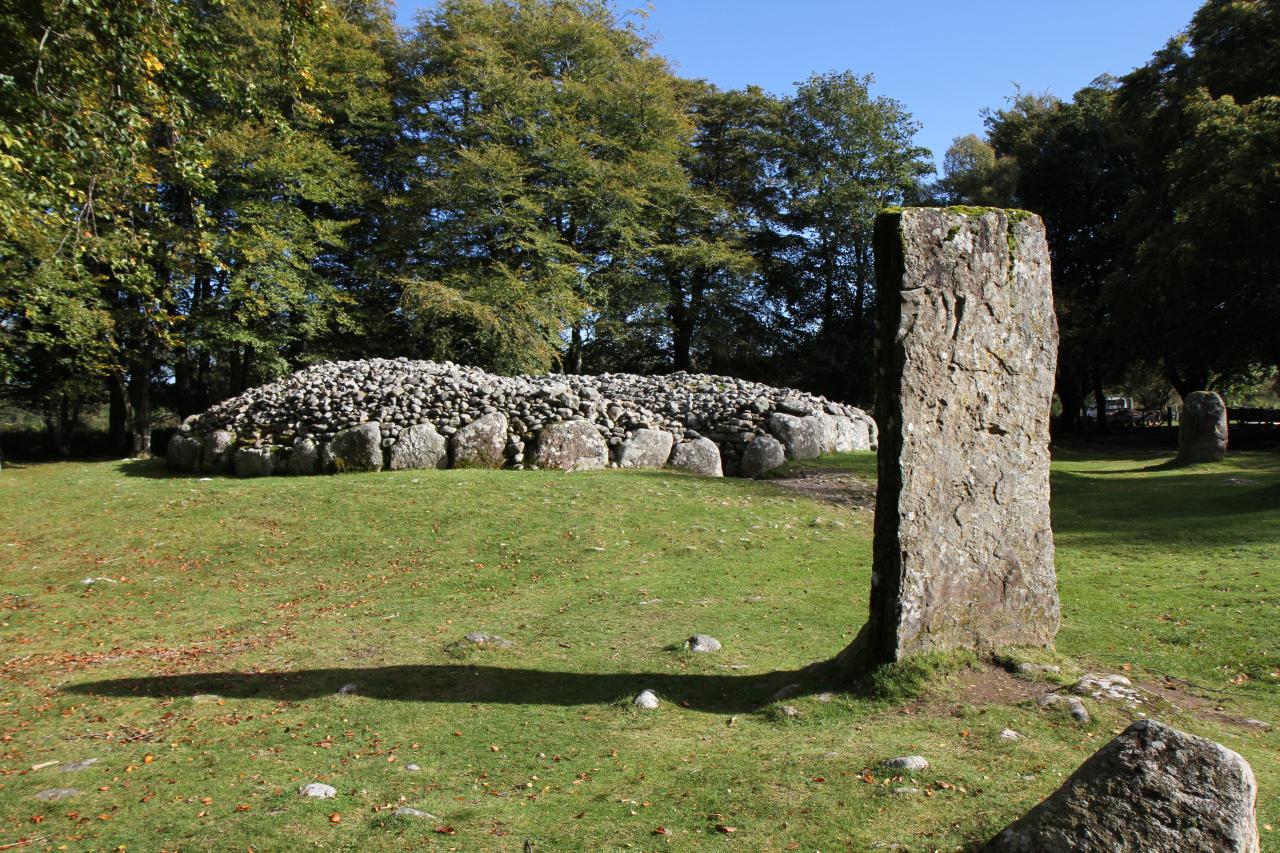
<point x="217" y="452"/>
<point x="183" y="453"/>
<point x="357" y="449"/>
<point x="646" y="448"/>
<point x="570" y="446"/>
<point x="799" y="436"/>
<point x="701" y="456"/>
<point x="304" y="458"/>
<point x="255" y="461"/>
<point x="419" y="446"/>
<point x="761" y="456"/>
<point x="481" y="443"/>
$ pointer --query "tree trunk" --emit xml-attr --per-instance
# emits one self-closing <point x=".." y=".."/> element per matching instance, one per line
<point x="1098" y="395"/>
<point x="573" y="359"/>
<point x="140" y="397"/>
<point x="120" y="415"/>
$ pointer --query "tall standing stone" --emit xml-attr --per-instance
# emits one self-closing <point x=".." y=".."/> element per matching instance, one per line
<point x="963" y="552"/>
<point x="1202" y="429"/>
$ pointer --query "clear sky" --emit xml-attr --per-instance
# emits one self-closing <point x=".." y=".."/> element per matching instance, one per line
<point x="944" y="59"/>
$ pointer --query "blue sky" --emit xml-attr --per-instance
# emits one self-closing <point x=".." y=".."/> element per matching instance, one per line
<point x="944" y="59"/>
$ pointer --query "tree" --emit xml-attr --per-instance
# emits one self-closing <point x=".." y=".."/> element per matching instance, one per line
<point x="549" y="141"/>
<point x="1196" y="285"/>
<point x="844" y="156"/>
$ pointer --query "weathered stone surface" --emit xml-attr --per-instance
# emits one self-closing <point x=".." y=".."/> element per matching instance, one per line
<point x="912" y="763"/>
<point x="1153" y="789"/>
<point x="481" y="443"/>
<point x="255" y="461"/>
<point x="828" y="432"/>
<point x="1202" y="429"/>
<point x="963" y="552"/>
<point x="217" y="452"/>
<point x="646" y="448"/>
<point x="304" y="458"/>
<point x="851" y="434"/>
<point x="322" y="400"/>
<point x="357" y="449"/>
<point x="761" y="456"/>
<point x="419" y="446"/>
<point x="52" y="795"/>
<point x="700" y="456"/>
<point x="799" y="435"/>
<point x="570" y="446"/>
<point x="183" y="453"/>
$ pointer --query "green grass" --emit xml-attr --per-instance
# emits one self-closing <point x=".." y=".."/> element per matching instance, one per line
<point x="272" y="594"/>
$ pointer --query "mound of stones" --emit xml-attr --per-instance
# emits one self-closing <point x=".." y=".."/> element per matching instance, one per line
<point x="401" y="414"/>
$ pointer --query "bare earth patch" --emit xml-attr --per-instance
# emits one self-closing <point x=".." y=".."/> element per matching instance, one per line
<point x="830" y="485"/>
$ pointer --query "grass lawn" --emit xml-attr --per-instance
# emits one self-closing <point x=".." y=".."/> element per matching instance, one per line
<point x="202" y="667"/>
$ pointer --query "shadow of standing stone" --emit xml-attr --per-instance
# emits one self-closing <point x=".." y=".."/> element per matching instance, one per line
<point x="963" y="553"/>
<point x="1202" y="429"/>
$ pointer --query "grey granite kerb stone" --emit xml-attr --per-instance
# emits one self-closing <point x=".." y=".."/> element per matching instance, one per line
<point x="963" y="553"/>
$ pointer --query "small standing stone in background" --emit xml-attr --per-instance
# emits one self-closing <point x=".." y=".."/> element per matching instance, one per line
<point x="1202" y="429"/>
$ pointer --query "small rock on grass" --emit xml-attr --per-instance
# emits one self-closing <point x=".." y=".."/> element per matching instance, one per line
<point x="412" y="768"/>
<point x="906" y="790"/>
<point x="318" y="791"/>
<point x="1009" y="734"/>
<point x="647" y="700"/>
<point x="53" y="794"/>
<point x="481" y="638"/>
<point x="702" y="643"/>
<point x="78" y="765"/>
<point x="346" y="689"/>
<point x="1029" y="668"/>
<point x="406" y="811"/>
<point x="908" y="762"/>
<point x="1078" y="711"/>
<point x="790" y="711"/>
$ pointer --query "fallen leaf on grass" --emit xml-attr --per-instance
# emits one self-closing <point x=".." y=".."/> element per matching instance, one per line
<point x="662" y="830"/>
<point x="446" y="830"/>
<point x="335" y="818"/>
<point x="720" y="827"/>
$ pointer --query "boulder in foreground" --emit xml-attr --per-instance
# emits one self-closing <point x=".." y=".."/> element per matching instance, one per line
<point x="1153" y="789"/>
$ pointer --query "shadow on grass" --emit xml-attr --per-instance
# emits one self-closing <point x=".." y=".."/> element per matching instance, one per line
<point x="154" y="469"/>
<point x="724" y="694"/>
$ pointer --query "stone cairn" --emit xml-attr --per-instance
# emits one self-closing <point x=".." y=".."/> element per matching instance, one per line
<point x="402" y="414"/>
<point x="963" y="552"/>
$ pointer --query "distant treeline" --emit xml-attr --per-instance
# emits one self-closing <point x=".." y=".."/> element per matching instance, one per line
<point x="196" y="197"/>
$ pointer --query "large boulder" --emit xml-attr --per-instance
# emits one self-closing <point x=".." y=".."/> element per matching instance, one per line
<point x="701" y="456"/>
<point x="1202" y="429"/>
<point x="183" y="452"/>
<point x="828" y="431"/>
<point x="256" y="461"/>
<point x="304" y="458"/>
<point x="481" y="443"/>
<point x="356" y="449"/>
<point x="761" y="456"/>
<point x="419" y="446"/>
<point x="217" y="452"/>
<point x="1153" y="789"/>
<point x="851" y="434"/>
<point x="646" y="448"/>
<point x="570" y="446"/>
<point x="799" y="436"/>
